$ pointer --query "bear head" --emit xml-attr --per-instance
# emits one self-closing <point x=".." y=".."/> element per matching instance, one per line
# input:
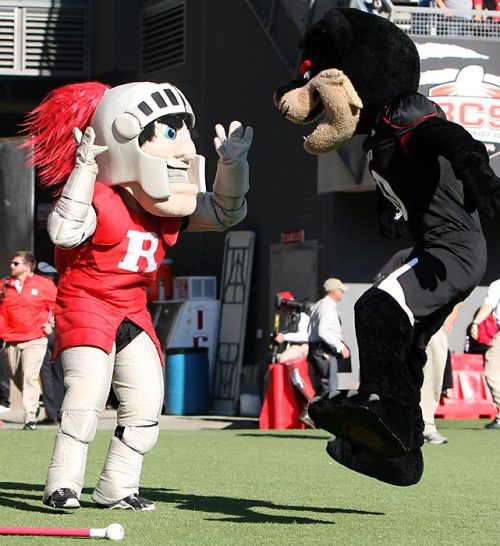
<point x="352" y="65"/>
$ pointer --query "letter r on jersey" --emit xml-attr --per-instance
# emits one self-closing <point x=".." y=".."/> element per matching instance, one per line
<point x="136" y="249"/>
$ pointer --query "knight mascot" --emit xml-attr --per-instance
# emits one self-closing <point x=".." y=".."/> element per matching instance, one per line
<point x="359" y="75"/>
<point x="128" y="181"/>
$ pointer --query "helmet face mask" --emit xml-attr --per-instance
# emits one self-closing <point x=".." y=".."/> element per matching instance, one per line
<point x="170" y="139"/>
<point x="120" y="117"/>
<point x="174" y="121"/>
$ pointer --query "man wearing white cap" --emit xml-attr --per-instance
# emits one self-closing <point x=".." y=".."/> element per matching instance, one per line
<point x="325" y="338"/>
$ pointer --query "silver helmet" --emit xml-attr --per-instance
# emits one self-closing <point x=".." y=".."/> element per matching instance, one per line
<point x="120" y="116"/>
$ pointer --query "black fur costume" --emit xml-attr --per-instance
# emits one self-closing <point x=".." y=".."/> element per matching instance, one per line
<point x="431" y="176"/>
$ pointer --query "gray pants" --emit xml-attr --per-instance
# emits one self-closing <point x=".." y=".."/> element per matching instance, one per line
<point x="137" y="378"/>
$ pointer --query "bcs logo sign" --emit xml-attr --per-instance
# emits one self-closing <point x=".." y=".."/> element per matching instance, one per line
<point x="472" y="103"/>
<point x="468" y="95"/>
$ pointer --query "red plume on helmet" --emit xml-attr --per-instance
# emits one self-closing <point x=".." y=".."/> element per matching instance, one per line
<point x="50" y="128"/>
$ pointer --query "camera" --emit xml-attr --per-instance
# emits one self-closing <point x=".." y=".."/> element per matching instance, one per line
<point x="292" y="305"/>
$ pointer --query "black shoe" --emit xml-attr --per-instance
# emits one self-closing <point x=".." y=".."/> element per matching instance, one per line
<point x="63" y="498"/>
<point x="30" y="425"/>
<point x="132" y="502"/>
<point x="494" y="424"/>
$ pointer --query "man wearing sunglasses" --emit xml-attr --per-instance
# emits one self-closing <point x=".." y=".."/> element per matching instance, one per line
<point x="26" y="319"/>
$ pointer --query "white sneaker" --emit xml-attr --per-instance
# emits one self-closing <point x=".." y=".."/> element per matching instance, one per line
<point x="4" y="409"/>
<point x="435" y="438"/>
<point x="304" y="417"/>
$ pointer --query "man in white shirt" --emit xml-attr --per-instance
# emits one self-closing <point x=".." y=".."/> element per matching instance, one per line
<point x="492" y="355"/>
<point x="325" y="338"/>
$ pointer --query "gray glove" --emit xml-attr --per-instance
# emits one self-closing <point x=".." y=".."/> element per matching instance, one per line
<point x="80" y="184"/>
<point x="87" y="151"/>
<point x="234" y="147"/>
<point x="225" y="206"/>
<point x="231" y="179"/>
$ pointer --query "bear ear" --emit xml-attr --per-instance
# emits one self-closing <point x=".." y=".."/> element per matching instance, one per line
<point x="340" y="31"/>
<point x="331" y="36"/>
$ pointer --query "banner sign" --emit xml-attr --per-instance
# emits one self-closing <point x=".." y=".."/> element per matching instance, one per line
<point x="463" y="77"/>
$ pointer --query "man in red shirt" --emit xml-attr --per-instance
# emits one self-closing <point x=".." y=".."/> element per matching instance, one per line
<point x="26" y="319"/>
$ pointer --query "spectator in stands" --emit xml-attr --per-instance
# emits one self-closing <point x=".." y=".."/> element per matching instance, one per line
<point x="487" y="24"/>
<point x="424" y="23"/>
<point x="458" y="23"/>
<point x="51" y="372"/>
<point x="492" y="356"/>
<point x="375" y="7"/>
<point x="26" y="319"/>
<point x="430" y="393"/>
<point x="483" y="5"/>
<point x="493" y="5"/>
<point x="326" y="342"/>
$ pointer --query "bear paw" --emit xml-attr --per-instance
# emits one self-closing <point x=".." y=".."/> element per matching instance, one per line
<point x="401" y="471"/>
<point x="357" y="419"/>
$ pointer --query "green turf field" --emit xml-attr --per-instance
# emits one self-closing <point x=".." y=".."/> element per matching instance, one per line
<point x="231" y="487"/>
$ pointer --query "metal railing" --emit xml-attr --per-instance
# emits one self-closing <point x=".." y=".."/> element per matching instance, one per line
<point x="285" y="21"/>
<point x="439" y="22"/>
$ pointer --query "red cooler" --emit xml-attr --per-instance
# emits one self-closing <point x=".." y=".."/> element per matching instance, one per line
<point x="161" y="289"/>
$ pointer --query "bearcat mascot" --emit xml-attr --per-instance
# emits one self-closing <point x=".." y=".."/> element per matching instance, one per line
<point x="361" y="74"/>
<point x="126" y="188"/>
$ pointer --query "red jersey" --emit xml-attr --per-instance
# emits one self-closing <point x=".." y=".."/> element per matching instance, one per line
<point x="23" y="314"/>
<point x="104" y="280"/>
